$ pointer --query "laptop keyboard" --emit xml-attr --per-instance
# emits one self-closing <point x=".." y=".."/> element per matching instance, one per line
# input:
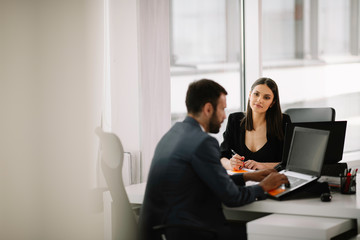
<point x="294" y="182"/>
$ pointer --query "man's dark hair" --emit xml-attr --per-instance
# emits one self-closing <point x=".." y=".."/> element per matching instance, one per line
<point x="201" y="92"/>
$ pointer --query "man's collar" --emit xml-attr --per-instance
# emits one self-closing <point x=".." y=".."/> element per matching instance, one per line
<point x="194" y="121"/>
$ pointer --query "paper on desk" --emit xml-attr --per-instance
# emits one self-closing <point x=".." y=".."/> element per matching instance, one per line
<point x="243" y="170"/>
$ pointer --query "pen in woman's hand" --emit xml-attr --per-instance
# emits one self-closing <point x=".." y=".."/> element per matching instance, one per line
<point x="242" y="159"/>
<point x="233" y="152"/>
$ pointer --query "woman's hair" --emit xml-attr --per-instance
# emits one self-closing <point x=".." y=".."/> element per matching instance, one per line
<point x="201" y="92"/>
<point x="273" y="114"/>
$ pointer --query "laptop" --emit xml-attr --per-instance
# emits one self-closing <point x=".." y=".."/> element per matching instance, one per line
<point x="305" y="160"/>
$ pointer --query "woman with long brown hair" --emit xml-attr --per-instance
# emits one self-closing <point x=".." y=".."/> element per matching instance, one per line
<point x="256" y="135"/>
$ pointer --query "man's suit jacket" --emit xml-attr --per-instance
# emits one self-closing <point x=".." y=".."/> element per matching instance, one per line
<point x="187" y="183"/>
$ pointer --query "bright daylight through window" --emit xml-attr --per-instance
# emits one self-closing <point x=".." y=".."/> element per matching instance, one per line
<point x="310" y="48"/>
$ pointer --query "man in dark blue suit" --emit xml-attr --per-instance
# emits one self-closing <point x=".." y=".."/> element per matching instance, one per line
<point x="187" y="183"/>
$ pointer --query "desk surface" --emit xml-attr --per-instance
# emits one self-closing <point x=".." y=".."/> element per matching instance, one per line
<point x="343" y="206"/>
<point x="340" y="206"/>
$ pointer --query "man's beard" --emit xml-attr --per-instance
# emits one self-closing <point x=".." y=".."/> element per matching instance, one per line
<point x="214" y="124"/>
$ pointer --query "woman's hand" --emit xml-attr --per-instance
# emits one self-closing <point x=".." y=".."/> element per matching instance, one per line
<point x="251" y="164"/>
<point x="237" y="162"/>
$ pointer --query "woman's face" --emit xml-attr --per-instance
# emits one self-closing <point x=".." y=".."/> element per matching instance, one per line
<point x="261" y="98"/>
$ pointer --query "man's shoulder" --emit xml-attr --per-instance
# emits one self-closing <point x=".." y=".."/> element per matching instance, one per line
<point x="188" y="130"/>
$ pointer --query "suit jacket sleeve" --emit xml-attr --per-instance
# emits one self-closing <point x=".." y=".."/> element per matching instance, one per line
<point x="208" y="167"/>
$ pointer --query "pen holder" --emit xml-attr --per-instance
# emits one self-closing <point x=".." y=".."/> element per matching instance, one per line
<point x="348" y="184"/>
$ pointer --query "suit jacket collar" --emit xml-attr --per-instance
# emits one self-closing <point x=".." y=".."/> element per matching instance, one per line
<point x="193" y="122"/>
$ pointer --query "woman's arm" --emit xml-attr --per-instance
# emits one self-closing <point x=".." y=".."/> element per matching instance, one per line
<point x="236" y="162"/>
<point x="226" y="163"/>
<point x="251" y="164"/>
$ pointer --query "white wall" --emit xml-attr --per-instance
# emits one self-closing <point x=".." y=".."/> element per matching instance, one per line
<point x="140" y="75"/>
<point x="124" y="65"/>
<point x="155" y="76"/>
<point x="51" y="93"/>
<point x="51" y="72"/>
<point x="19" y="101"/>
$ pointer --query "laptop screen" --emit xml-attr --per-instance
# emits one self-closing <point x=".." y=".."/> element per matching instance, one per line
<point x="307" y="150"/>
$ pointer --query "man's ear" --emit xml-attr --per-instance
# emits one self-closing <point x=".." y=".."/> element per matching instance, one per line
<point x="208" y="109"/>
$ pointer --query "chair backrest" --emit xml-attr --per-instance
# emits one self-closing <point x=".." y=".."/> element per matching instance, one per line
<point x="311" y="114"/>
<point x="122" y="218"/>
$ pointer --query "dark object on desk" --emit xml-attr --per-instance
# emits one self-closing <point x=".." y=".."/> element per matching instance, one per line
<point x="335" y="147"/>
<point x="334" y="169"/>
<point x="287" y="185"/>
<point x="348" y="184"/>
<point x="311" y="114"/>
<point x="325" y="197"/>
<point x="312" y="190"/>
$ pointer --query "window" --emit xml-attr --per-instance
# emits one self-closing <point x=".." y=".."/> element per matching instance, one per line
<point x="204" y="44"/>
<point x="311" y="49"/>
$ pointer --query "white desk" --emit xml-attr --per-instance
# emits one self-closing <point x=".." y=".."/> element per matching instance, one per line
<point x="341" y="206"/>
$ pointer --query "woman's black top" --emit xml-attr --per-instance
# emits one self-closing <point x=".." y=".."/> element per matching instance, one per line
<point x="234" y="138"/>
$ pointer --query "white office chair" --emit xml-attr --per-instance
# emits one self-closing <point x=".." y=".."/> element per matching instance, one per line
<point x="120" y="221"/>
<point x="311" y="114"/>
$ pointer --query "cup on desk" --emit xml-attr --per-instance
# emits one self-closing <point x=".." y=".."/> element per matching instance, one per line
<point x="348" y="184"/>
